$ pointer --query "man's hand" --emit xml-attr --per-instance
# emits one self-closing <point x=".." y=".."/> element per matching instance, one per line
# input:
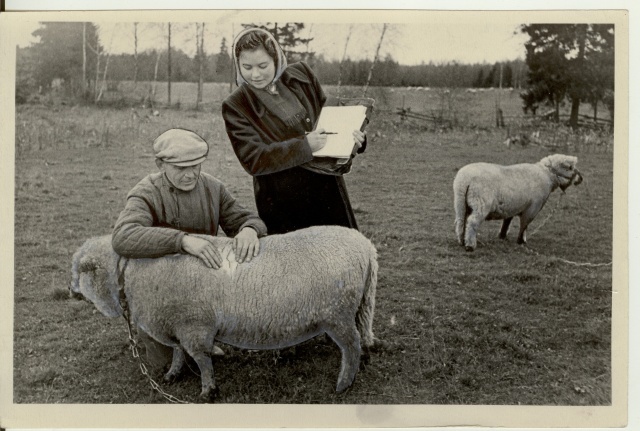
<point x="246" y="245"/>
<point x="203" y="249"/>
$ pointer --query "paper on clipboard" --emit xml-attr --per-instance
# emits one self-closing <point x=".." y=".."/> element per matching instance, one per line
<point x="341" y="121"/>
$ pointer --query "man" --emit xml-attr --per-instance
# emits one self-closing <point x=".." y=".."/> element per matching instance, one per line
<point x="165" y="207"/>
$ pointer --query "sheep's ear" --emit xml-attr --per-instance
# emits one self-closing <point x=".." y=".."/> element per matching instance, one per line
<point x="570" y="163"/>
<point x="87" y="264"/>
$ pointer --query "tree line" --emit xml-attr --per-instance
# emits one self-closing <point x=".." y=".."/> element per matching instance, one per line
<point x="564" y="62"/>
<point x="60" y="55"/>
<point x="217" y="68"/>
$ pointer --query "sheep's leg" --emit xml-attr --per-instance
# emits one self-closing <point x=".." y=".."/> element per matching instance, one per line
<point x="176" y="365"/>
<point x="198" y="342"/>
<point x="473" y="223"/>
<point x="526" y="218"/>
<point x="522" y="235"/>
<point x="348" y="339"/>
<point x="505" y="228"/>
<point x="460" y="230"/>
<point x="209" y="389"/>
<point x="461" y="209"/>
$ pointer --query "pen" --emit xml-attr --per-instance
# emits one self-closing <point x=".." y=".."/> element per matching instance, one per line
<point x="325" y="133"/>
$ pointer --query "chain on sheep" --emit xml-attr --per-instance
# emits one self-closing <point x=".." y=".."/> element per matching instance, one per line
<point x="548" y="216"/>
<point x="133" y="344"/>
<point x="569" y="262"/>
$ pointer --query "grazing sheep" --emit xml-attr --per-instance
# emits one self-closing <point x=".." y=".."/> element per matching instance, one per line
<point x="302" y="284"/>
<point x="485" y="191"/>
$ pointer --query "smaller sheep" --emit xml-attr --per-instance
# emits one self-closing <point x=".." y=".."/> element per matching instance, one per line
<point x="319" y="280"/>
<point x="486" y="191"/>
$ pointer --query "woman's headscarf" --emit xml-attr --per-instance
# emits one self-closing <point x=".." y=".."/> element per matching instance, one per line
<point x="281" y="63"/>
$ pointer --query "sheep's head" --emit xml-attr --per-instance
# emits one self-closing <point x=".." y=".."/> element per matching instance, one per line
<point x="94" y="277"/>
<point x="564" y="169"/>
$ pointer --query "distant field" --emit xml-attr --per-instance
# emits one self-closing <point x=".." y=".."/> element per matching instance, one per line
<point x="466" y="106"/>
<point x="503" y="325"/>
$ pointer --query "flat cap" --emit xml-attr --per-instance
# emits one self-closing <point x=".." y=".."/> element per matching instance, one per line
<point x="180" y="147"/>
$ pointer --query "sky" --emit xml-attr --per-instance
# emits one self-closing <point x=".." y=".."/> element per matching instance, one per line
<point x="408" y="43"/>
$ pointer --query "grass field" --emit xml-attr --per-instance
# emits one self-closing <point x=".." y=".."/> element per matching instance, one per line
<point x="503" y="325"/>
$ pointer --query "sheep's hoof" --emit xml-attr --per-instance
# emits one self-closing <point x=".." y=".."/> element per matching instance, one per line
<point x="469" y="248"/>
<point x="521" y="241"/>
<point x="209" y="395"/>
<point x="171" y="377"/>
<point x="379" y="346"/>
<point x="342" y="387"/>
<point x="365" y="358"/>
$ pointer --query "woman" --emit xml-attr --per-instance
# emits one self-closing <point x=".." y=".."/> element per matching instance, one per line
<point x="270" y="119"/>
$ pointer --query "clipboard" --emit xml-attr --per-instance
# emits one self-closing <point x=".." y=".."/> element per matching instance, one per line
<point x="340" y="117"/>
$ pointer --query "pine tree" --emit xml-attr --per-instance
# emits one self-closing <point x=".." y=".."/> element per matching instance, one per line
<point x="478" y="83"/>
<point x="561" y="60"/>
<point x="288" y="37"/>
<point x="223" y="62"/>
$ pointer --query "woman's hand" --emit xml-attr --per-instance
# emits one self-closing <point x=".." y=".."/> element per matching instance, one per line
<point x="358" y="138"/>
<point x="316" y="140"/>
<point x="246" y="245"/>
<point x="203" y="249"/>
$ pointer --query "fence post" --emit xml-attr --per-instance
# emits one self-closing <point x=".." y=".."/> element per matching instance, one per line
<point x="499" y="117"/>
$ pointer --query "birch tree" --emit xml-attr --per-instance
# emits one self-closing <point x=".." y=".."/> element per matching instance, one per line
<point x="344" y="57"/>
<point x="169" y="64"/>
<point x="375" y="59"/>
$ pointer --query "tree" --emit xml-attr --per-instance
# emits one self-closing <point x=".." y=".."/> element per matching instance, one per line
<point x="223" y="62"/>
<point x="602" y="74"/>
<point x="135" y="53"/>
<point x="169" y="64"/>
<point x="507" y="80"/>
<point x="84" y="59"/>
<point x="479" y="81"/>
<point x="489" y="80"/>
<point x="59" y="53"/>
<point x="387" y="72"/>
<point x="287" y="36"/>
<point x="200" y="61"/>
<point x="344" y="56"/>
<point x="560" y="59"/>
<point x="25" y="68"/>
<point x="375" y="59"/>
<point x="106" y="68"/>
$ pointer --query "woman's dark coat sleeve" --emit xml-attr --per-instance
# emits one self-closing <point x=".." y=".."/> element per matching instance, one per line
<point x="257" y="157"/>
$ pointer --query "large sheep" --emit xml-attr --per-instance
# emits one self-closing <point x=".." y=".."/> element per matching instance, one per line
<point x="302" y="284"/>
<point x="485" y="191"/>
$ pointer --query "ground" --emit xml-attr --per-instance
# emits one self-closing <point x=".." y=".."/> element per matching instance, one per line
<point x="503" y="325"/>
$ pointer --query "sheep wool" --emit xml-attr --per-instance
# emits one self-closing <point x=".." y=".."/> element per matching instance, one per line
<point x="302" y="284"/>
<point x="486" y="191"/>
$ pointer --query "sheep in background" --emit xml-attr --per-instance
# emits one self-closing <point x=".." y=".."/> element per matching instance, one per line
<point x="486" y="191"/>
<point x="302" y="284"/>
